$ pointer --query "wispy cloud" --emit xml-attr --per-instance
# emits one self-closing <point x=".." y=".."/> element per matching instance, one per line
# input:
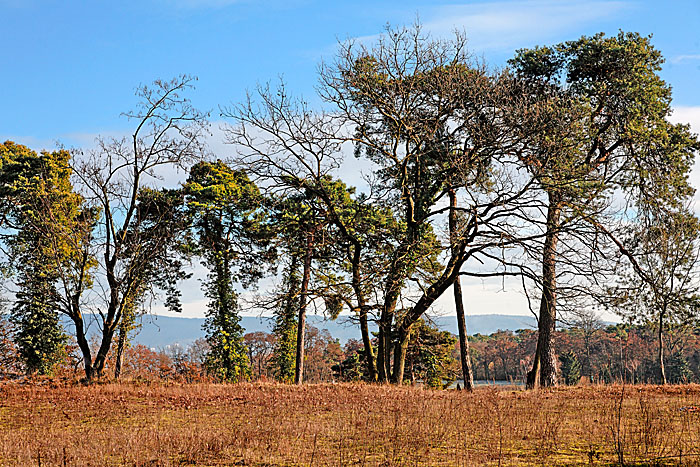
<point x="685" y="58"/>
<point x="37" y="144"/>
<point x="505" y="25"/>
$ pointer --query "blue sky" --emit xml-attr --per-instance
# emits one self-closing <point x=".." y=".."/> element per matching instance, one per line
<point x="69" y="68"/>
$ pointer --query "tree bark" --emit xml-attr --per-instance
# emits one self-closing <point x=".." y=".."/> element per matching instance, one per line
<point x="385" y="331"/>
<point x="465" y="360"/>
<point x="367" y="342"/>
<point x="83" y="344"/>
<point x="662" y="369"/>
<point x="101" y="357"/>
<point x="467" y="373"/>
<point x="400" y="348"/>
<point x="544" y="370"/>
<point x="301" y="324"/>
<point x="362" y="305"/>
<point x="119" y="360"/>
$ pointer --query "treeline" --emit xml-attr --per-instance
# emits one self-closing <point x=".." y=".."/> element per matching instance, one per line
<point x="601" y="354"/>
<point x="560" y="174"/>
<point x="611" y="354"/>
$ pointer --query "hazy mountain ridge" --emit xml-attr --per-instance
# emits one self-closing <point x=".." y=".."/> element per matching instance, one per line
<point x="159" y="331"/>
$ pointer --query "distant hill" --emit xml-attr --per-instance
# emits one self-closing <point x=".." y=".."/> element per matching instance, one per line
<point x="159" y="331"/>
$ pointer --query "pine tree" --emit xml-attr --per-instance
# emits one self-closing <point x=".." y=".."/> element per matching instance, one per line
<point x="231" y="240"/>
<point x="40" y="338"/>
<point x="285" y="329"/>
<point x="570" y="368"/>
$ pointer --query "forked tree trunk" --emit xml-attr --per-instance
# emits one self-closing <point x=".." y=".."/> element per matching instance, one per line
<point x="385" y="331"/>
<point x="400" y="350"/>
<point x="301" y="324"/>
<point x="362" y="304"/>
<point x="544" y="369"/>
<point x="465" y="360"/>
<point x="111" y="321"/>
<point x="101" y="357"/>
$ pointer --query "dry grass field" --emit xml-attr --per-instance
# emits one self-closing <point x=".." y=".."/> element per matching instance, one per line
<point x="266" y="424"/>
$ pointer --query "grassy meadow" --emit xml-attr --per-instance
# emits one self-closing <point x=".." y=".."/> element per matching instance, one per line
<point x="142" y="424"/>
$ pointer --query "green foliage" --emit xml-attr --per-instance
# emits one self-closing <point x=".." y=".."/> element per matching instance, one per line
<point x="430" y="355"/>
<point x="231" y="238"/>
<point x="46" y="224"/>
<point x="283" y="361"/>
<point x="227" y="357"/>
<point x="678" y="368"/>
<point x="354" y="366"/>
<point x="40" y="338"/>
<point x="570" y="368"/>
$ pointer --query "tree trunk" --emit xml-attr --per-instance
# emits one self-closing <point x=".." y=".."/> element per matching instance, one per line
<point x="588" y="371"/>
<point x="119" y="360"/>
<point x="662" y="370"/>
<point x="367" y="342"/>
<point x="467" y="373"/>
<point x="544" y="370"/>
<point x="84" y="345"/>
<point x="400" y="348"/>
<point x="381" y="351"/>
<point x="362" y="305"/>
<point x="301" y="324"/>
<point x="403" y="330"/>
<point x="108" y="328"/>
<point x="101" y="357"/>
<point x="384" y="346"/>
<point x="111" y="321"/>
<point x="465" y="360"/>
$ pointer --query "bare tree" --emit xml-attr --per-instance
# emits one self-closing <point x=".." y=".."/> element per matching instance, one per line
<point x="136" y="226"/>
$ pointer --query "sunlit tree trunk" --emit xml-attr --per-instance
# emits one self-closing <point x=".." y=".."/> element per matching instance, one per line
<point x="662" y="369"/>
<point x="544" y="370"/>
<point x="467" y="373"/>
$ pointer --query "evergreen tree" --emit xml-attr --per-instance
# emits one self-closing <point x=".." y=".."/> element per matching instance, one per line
<point x="429" y="355"/>
<point x="679" y="371"/>
<point x="230" y="238"/>
<point x="283" y="362"/>
<point x="570" y="368"/>
<point x="38" y="199"/>
<point x="40" y="338"/>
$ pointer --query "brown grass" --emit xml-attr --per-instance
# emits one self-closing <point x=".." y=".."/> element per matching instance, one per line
<point x="268" y="424"/>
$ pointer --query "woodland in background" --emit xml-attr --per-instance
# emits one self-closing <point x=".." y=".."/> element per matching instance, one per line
<point x="560" y="174"/>
<point x="602" y="355"/>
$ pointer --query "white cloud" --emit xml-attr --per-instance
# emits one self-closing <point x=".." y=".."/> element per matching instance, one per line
<point x="33" y="143"/>
<point x="506" y="25"/>
<point x="690" y="115"/>
<point x="686" y="114"/>
<point x="685" y="58"/>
